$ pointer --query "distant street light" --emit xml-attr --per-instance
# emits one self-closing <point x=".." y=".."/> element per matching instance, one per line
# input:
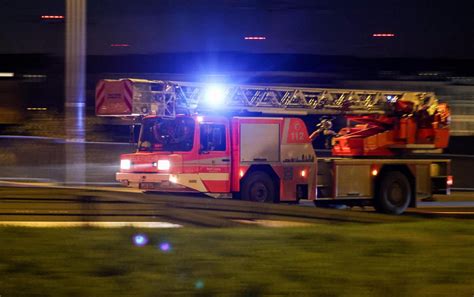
<point x="255" y="38"/>
<point x="378" y="35"/>
<point x="52" y="17"/>
<point x="7" y="74"/>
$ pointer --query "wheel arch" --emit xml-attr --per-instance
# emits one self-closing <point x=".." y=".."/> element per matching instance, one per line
<point x="266" y="169"/>
<point x="402" y="169"/>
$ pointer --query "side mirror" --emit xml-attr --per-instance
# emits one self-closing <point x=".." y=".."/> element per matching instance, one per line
<point x="203" y="152"/>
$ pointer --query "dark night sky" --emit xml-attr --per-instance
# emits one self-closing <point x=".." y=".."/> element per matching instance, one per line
<point x="423" y="28"/>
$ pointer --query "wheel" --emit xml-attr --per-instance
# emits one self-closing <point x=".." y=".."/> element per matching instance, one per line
<point x="394" y="193"/>
<point x="258" y="187"/>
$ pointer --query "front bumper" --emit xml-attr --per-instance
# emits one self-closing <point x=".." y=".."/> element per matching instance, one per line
<point x="150" y="181"/>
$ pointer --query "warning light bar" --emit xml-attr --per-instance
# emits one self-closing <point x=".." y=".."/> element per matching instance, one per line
<point x="120" y="45"/>
<point x="383" y="35"/>
<point x="255" y="38"/>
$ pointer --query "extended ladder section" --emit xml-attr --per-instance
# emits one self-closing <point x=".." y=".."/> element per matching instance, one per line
<point x="386" y="122"/>
<point x="136" y="97"/>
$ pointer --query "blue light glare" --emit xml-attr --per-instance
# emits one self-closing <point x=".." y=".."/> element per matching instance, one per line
<point x="165" y="247"/>
<point x="391" y="99"/>
<point x="140" y="239"/>
<point x="199" y="284"/>
<point x="215" y="95"/>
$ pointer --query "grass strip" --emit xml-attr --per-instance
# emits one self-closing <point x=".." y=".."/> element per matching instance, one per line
<point x="428" y="258"/>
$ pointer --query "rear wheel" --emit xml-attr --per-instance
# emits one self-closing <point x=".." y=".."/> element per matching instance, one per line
<point x="258" y="187"/>
<point x="393" y="194"/>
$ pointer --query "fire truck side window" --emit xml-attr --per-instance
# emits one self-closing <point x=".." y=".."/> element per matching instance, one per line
<point x="213" y="137"/>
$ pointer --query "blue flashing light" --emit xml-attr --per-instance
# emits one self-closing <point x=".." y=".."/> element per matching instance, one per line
<point x="215" y="95"/>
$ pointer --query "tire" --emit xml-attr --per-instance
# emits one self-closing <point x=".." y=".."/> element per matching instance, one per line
<point x="258" y="187"/>
<point x="394" y="193"/>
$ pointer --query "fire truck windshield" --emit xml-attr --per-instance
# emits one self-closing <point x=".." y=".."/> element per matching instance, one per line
<point x="159" y="134"/>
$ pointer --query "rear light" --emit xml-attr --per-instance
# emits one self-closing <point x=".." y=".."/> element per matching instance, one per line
<point x="125" y="164"/>
<point x="163" y="165"/>
<point x="449" y="180"/>
<point x="303" y="173"/>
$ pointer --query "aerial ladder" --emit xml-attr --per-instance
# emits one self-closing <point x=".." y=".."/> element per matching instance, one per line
<point x="379" y="122"/>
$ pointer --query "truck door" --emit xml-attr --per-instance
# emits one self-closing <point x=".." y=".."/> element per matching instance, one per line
<point x="214" y="156"/>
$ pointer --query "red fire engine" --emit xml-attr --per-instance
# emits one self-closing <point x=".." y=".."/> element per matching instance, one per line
<point x="251" y="142"/>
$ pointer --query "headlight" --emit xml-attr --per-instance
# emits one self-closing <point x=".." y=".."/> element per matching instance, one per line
<point x="163" y="165"/>
<point x="125" y="164"/>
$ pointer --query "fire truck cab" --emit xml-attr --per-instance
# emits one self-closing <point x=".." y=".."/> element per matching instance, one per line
<point x="262" y="159"/>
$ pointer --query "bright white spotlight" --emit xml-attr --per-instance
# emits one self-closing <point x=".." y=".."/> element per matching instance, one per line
<point x="215" y="95"/>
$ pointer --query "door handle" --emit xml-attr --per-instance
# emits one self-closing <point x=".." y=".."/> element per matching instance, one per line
<point x="225" y="160"/>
